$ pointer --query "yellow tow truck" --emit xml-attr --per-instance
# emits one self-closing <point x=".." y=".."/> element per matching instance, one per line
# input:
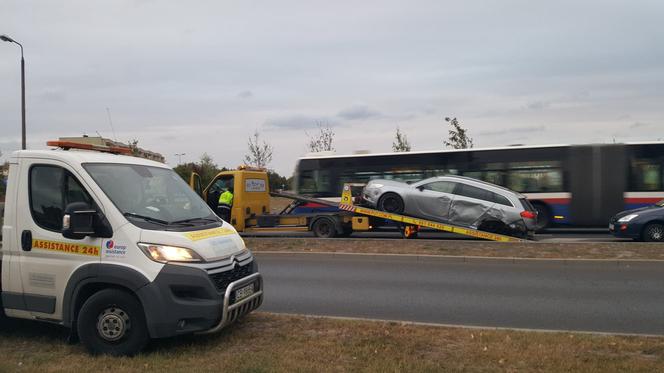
<point x="250" y="210"/>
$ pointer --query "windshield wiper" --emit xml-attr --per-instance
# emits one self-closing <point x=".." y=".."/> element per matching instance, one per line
<point x="146" y="218"/>
<point x="194" y="219"/>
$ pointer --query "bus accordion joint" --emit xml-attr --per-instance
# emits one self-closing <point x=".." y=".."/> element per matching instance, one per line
<point x="66" y="145"/>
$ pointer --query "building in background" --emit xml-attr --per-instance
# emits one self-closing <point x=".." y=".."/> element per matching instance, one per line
<point x="101" y="141"/>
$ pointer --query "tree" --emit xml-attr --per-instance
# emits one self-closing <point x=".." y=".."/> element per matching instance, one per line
<point x="205" y="168"/>
<point x="3" y="180"/>
<point x="400" y="143"/>
<point x="133" y="145"/>
<point x="321" y="141"/>
<point x="260" y="153"/>
<point x="279" y="182"/>
<point x="459" y="138"/>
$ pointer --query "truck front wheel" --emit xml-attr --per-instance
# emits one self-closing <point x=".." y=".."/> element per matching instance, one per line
<point x="112" y="322"/>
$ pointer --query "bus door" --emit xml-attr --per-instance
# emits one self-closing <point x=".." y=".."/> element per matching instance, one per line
<point x="598" y="177"/>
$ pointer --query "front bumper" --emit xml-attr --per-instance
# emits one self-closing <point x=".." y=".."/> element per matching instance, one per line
<point x="625" y="230"/>
<point x="186" y="299"/>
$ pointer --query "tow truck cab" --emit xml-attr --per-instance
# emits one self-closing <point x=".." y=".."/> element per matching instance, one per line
<point x="120" y="250"/>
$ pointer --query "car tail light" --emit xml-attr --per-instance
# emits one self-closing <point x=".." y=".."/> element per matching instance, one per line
<point x="529" y="214"/>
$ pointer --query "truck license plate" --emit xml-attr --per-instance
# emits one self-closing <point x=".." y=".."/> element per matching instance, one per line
<point x="244" y="292"/>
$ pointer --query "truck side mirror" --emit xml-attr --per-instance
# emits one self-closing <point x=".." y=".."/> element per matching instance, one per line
<point x="80" y="220"/>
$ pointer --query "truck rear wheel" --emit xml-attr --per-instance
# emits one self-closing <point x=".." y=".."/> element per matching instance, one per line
<point x="112" y="322"/>
<point x="324" y="228"/>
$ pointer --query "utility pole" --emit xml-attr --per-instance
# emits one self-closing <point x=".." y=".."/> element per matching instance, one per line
<point x="10" y="40"/>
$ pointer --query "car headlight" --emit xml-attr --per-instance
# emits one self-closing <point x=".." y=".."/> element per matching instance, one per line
<point x="163" y="253"/>
<point x="627" y="218"/>
<point x="375" y="186"/>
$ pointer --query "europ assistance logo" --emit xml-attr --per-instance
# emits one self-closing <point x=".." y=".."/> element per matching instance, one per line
<point x="111" y="250"/>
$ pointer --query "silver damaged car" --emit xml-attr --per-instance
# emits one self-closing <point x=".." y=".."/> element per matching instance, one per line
<point x="456" y="200"/>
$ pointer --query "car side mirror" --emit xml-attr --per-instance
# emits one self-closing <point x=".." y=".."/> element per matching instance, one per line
<point x="420" y="188"/>
<point x="80" y="220"/>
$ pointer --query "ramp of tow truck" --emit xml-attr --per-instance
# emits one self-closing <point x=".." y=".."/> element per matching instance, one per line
<point x="301" y="198"/>
<point x="347" y="205"/>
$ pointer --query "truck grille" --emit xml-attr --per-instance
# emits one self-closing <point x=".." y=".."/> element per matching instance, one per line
<point x="222" y="279"/>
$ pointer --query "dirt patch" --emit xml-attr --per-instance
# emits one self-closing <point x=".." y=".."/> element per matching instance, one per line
<point x="279" y="343"/>
<point x="609" y="250"/>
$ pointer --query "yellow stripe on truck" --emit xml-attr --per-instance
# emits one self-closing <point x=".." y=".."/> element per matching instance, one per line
<point x="208" y="233"/>
<point x="66" y="247"/>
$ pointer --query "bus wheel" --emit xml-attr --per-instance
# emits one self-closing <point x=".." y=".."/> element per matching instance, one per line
<point x="543" y="217"/>
<point x="324" y="228"/>
<point x="653" y="232"/>
<point x="391" y="202"/>
<point x="112" y="322"/>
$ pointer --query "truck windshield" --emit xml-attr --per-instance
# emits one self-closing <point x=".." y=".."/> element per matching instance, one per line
<point x="151" y="197"/>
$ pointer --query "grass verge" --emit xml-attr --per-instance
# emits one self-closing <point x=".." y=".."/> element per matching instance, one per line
<point x="278" y="343"/>
<point x="568" y="250"/>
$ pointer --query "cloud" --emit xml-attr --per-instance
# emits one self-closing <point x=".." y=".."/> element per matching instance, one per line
<point x="639" y="125"/>
<point x="245" y="94"/>
<point x="357" y="112"/>
<point x="53" y="95"/>
<point x="513" y="131"/>
<point x="538" y="105"/>
<point x="296" y="122"/>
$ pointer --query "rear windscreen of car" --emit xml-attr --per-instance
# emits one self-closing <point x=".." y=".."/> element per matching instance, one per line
<point x="526" y="205"/>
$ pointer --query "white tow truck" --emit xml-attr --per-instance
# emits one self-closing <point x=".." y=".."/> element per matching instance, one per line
<point x="118" y="249"/>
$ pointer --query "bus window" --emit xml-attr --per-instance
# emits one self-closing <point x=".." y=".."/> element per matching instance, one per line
<point x="314" y="181"/>
<point x="533" y="177"/>
<point x="494" y="177"/>
<point x="646" y="175"/>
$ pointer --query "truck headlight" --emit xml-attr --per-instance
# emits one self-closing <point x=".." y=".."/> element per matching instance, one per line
<point x="627" y="218"/>
<point x="163" y="253"/>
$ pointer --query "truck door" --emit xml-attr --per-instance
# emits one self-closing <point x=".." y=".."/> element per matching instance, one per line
<point x="47" y="259"/>
<point x="434" y="199"/>
<point x="195" y="183"/>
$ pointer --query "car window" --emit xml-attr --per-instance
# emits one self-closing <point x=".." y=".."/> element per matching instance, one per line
<point x="474" y="192"/>
<point x="440" y="186"/>
<point x="51" y="189"/>
<point x="502" y="200"/>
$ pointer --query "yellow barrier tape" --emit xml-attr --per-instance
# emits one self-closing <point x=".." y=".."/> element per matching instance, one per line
<point x="208" y="233"/>
<point x="66" y="247"/>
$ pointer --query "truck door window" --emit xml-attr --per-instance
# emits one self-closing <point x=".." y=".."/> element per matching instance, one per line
<point x="51" y="189"/>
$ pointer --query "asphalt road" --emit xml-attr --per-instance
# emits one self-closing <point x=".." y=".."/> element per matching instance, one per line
<point x="600" y="296"/>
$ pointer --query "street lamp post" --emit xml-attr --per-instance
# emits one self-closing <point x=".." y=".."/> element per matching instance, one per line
<point x="179" y="155"/>
<point x="10" y="40"/>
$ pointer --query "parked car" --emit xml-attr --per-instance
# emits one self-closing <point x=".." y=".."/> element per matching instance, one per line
<point x="456" y="200"/>
<point x="645" y="224"/>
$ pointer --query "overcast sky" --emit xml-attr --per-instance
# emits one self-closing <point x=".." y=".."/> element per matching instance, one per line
<point x="201" y="76"/>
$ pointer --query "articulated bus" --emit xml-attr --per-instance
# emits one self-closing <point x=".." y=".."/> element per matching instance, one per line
<point x="570" y="185"/>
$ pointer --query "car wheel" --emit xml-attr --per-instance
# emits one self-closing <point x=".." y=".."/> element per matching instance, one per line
<point x="543" y="217"/>
<point x="324" y="228"/>
<point x="391" y="202"/>
<point x="653" y="232"/>
<point x="112" y="322"/>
